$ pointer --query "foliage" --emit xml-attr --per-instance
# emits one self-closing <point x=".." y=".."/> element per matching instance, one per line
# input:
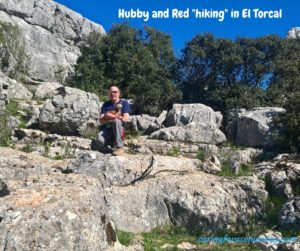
<point x="14" y="60"/>
<point x="245" y="170"/>
<point x="125" y="238"/>
<point x="141" y="63"/>
<point x="174" y="151"/>
<point x="5" y="133"/>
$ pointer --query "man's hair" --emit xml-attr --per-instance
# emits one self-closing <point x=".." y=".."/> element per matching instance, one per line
<point x="113" y="85"/>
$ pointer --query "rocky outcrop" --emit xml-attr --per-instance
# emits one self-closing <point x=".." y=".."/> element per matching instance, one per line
<point x="181" y="115"/>
<point x="51" y="33"/>
<point x="55" y="212"/>
<point x="294" y="33"/>
<point x="254" y="128"/>
<point x="284" y="177"/>
<point x="290" y="214"/>
<point x="11" y="89"/>
<point x="71" y="112"/>
<point x="46" y="90"/>
<point x="150" y="191"/>
<point x="200" y="133"/>
<point x="194" y="123"/>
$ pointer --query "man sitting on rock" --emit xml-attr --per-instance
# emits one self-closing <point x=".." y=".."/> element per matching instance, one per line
<point x="113" y="113"/>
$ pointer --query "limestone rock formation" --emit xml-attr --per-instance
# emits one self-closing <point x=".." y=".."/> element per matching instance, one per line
<point x="290" y="214"/>
<point x="51" y="34"/>
<point x="71" y="112"/>
<point x="200" y="133"/>
<point x="143" y="194"/>
<point x="284" y="176"/>
<point x="55" y="212"/>
<point x="294" y="33"/>
<point x="185" y="114"/>
<point x="254" y="128"/>
<point x="11" y="89"/>
<point x="194" y="123"/>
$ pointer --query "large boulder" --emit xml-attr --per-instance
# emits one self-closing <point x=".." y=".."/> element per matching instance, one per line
<point x="294" y="33"/>
<point x="254" y="128"/>
<point x="194" y="123"/>
<point x="55" y="212"/>
<point x="71" y="112"/>
<point x="51" y="33"/>
<point x="144" y="192"/>
<point x="181" y="115"/>
<point x="201" y="133"/>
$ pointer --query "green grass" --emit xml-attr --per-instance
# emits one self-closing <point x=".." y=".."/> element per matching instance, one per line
<point x="125" y="238"/>
<point x="174" y="151"/>
<point x="201" y="154"/>
<point x="155" y="239"/>
<point x="226" y="170"/>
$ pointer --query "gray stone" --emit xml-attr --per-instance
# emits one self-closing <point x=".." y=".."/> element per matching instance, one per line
<point x="198" y="114"/>
<point x="212" y="165"/>
<point x="254" y="128"/>
<point x="290" y="214"/>
<point x="283" y="175"/>
<point x="144" y="192"/>
<point x="46" y="90"/>
<point x="200" y="133"/>
<point x="11" y="89"/>
<point x="71" y="112"/>
<point x="143" y="145"/>
<point x="55" y="212"/>
<point x="269" y="241"/>
<point x="294" y="33"/>
<point x="138" y="123"/>
<point x="51" y="34"/>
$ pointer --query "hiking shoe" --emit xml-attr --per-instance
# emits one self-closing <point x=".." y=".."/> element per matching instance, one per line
<point x="118" y="151"/>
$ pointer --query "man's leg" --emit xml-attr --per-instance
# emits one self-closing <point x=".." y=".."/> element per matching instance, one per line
<point x="117" y="130"/>
<point x="105" y="137"/>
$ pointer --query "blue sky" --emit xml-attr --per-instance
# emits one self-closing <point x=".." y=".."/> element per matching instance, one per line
<point x="183" y="30"/>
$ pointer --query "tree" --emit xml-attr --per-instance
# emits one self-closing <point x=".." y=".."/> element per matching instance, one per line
<point x="141" y="64"/>
<point x="227" y="74"/>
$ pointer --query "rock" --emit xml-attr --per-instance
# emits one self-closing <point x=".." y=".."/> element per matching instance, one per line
<point x="181" y="115"/>
<point x="13" y="123"/>
<point x="140" y="122"/>
<point x="254" y="128"/>
<point x="71" y="112"/>
<point x="20" y="165"/>
<point x="187" y="246"/>
<point x="294" y="33"/>
<point x="269" y="241"/>
<point x="11" y="89"/>
<point x="3" y="189"/>
<point x="126" y="170"/>
<point x="52" y="34"/>
<point x="281" y="184"/>
<point x="212" y="165"/>
<point x="46" y="90"/>
<point x="197" y="201"/>
<point x="157" y="124"/>
<point x="284" y="176"/>
<point x="55" y="212"/>
<point x="144" y="192"/>
<point x="201" y="133"/>
<point x="290" y="214"/>
<point x="143" y="145"/>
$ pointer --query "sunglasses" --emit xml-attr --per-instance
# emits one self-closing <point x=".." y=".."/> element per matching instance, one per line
<point x="114" y="92"/>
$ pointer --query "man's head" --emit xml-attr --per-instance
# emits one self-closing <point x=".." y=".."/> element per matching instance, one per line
<point x="114" y="94"/>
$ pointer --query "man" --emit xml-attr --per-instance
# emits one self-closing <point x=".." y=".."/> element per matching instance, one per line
<point x="113" y="113"/>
